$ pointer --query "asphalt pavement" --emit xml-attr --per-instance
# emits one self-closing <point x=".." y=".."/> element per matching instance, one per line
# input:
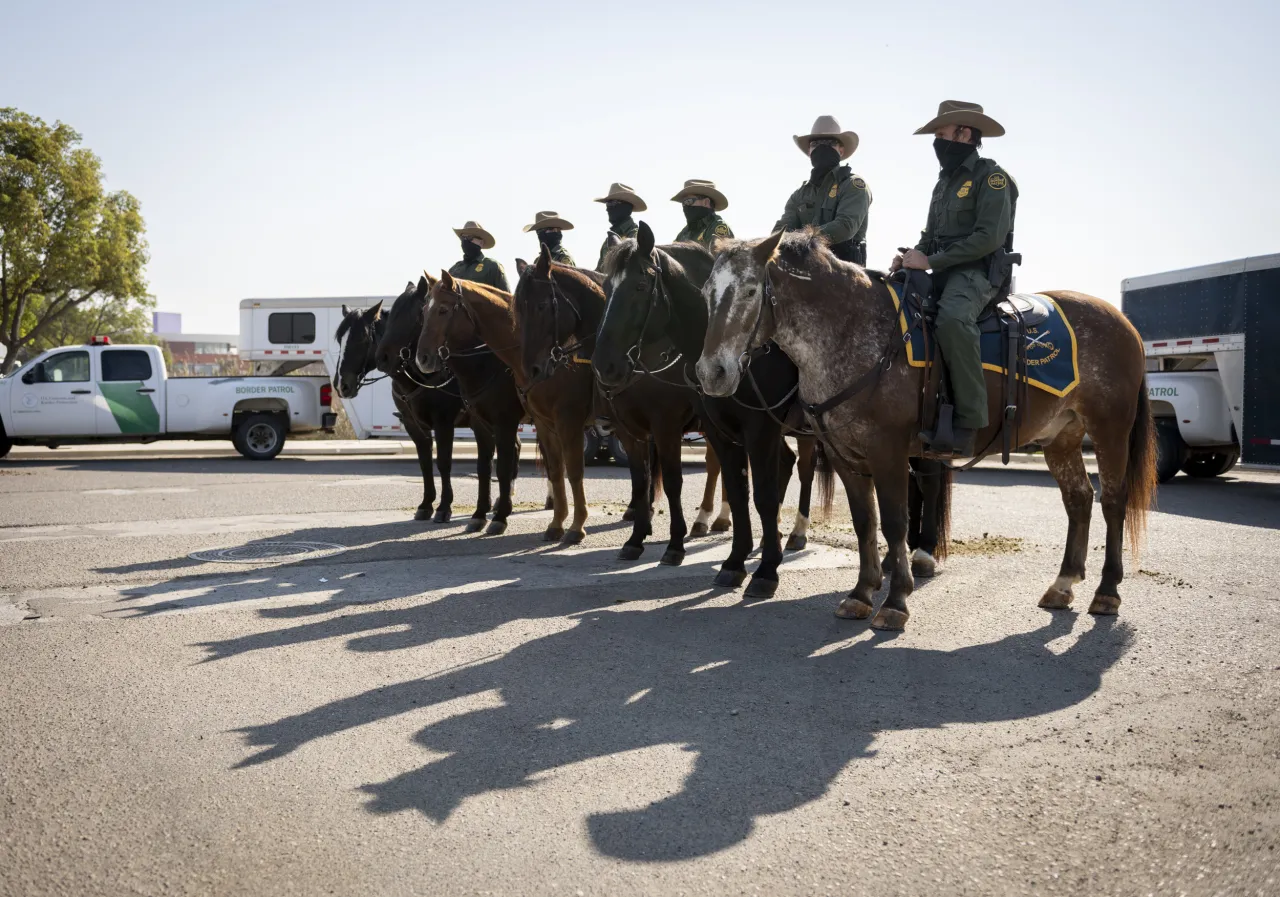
<point x="414" y="710"/>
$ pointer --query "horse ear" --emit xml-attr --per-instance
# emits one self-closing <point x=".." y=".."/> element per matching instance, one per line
<point x="346" y="312"/>
<point x="448" y="283"/>
<point x="646" y="239"/>
<point x="424" y="286"/>
<point x="408" y="287"/>
<point x="374" y="311"/>
<point x="542" y="267"/>
<point x="431" y="281"/>
<point x="767" y="248"/>
<point x="521" y="264"/>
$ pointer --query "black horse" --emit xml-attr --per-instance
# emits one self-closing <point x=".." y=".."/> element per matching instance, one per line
<point x="426" y="406"/>
<point x="656" y="322"/>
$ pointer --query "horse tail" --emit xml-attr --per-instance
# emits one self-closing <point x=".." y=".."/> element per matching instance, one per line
<point x="655" y="469"/>
<point x="1140" y="474"/>
<point x="826" y="477"/>
<point x="944" y="512"/>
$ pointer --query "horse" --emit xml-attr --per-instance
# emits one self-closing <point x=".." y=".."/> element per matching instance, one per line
<point x="560" y="405"/>
<point x="656" y="301"/>
<point x="840" y="325"/>
<point x="557" y="315"/>
<point x="425" y="407"/>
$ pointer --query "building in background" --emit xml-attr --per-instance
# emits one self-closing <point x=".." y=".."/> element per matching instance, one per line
<point x="197" y="354"/>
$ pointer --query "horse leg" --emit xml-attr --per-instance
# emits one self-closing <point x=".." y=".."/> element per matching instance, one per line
<point x="484" y="473"/>
<point x="734" y="467"/>
<point x="554" y="458"/>
<point x="859" y="603"/>
<point x="891" y="474"/>
<point x="668" y="447"/>
<point x="807" y="464"/>
<point x="507" y="459"/>
<point x="701" y="524"/>
<point x="638" y="455"/>
<point x="1066" y="463"/>
<point x="767" y="460"/>
<point x="422" y="442"/>
<point x="1111" y="448"/>
<point x="575" y="467"/>
<point x="925" y="509"/>
<point x="443" y="426"/>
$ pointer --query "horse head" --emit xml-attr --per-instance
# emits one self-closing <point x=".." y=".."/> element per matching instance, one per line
<point x="736" y="310"/>
<point x="632" y="285"/>
<point x="400" y="332"/>
<point x="357" y="337"/>
<point x="447" y="324"/>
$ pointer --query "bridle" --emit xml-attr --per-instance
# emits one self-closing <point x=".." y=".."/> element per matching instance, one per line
<point x="658" y="294"/>
<point x="368" y="363"/>
<point x="560" y="356"/>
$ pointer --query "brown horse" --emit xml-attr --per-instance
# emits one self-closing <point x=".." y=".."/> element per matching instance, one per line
<point x="561" y="405"/>
<point x="839" y="324"/>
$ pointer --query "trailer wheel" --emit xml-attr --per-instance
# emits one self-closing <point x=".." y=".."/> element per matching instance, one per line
<point x="5" y="443"/>
<point x="1171" y="451"/>
<point x="620" y="456"/>
<point x="259" y="437"/>
<point x="1215" y="465"/>
<point x="590" y="446"/>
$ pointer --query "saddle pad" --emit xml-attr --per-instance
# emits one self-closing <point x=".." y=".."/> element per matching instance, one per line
<point x="1051" y="347"/>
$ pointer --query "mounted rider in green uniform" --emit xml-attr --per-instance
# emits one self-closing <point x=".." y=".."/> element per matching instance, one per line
<point x="702" y="204"/>
<point x="619" y="203"/>
<point x="834" y="199"/>
<point x="475" y="265"/>
<point x="969" y="231"/>
<point x="549" y="226"/>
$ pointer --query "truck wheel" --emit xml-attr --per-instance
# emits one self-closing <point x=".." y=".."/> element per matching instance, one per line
<point x="5" y="443"/>
<point x="1171" y="451"/>
<point x="1214" y="465"/>
<point x="619" y="453"/>
<point x="590" y="446"/>
<point x="259" y="437"/>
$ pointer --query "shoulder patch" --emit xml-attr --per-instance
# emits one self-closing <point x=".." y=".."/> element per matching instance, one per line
<point x="722" y="230"/>
<point x="835" y="188"/>
<point x="480" y="266"/>
<point x="500" y="268"/>
<point x="860" y="183"/>
<point x="997" y="181"/>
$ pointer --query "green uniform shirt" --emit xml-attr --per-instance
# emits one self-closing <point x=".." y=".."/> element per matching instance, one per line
<point x="970" y="215"/>
<point x="482" y="270"/>
<point x="838" y="205"/>
<point x="627" y="230"/>
<point x="705" y="231"/>
<point x="561" y="256"/>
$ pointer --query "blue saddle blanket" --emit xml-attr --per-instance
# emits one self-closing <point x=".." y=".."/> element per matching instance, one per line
<point x="1051" y="347"/>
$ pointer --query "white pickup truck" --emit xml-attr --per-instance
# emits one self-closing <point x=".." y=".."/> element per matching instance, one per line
<point x="116" y="393"/>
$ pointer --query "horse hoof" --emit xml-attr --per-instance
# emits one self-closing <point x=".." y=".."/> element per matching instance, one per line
<point x="923" y="565"/>
<point x="890" y="620"/>
<point x="1105" y="605"/>
<point x="761" y="588"/>
<point x="797" y="542"/>
<point x="572" y="537"/>
<point x="672" y="558"/>
<point x="553" y="534"/>
<point x="720" y="526"/>
<point x="699" y="529"/>
<point x="854" y="609"/>
<point x="442" y="516"/>
<point x="631" y="552"/>
<point x="730" y="579"/>
<point x="629" y="514"/>
<point x="422" y="514"/>
<point x="1059" y="599"/>
<point x="475" y="524"/>
<point x="549" y="504"/>
<point x="496" y="528"/>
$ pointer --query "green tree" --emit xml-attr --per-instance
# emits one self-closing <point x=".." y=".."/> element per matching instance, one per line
<point x="67" y="247"/>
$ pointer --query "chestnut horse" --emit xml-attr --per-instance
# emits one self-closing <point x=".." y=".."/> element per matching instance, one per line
<point x="839" y="324"/>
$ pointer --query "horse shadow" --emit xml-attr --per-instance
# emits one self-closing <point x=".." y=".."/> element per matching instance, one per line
<point x="771" y="710"/>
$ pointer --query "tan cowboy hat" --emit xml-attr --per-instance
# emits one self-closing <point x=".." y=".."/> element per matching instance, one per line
<point x="623" y="193"/>
<point x="547" y="219"/>
<point x="958" y="112"/>
<point x="828" y="127"/>
<point x="708" y="189"/>
<point x="473" y="229"/>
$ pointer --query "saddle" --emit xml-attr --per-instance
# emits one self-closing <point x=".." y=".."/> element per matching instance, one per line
<point x="1012" y="316"/>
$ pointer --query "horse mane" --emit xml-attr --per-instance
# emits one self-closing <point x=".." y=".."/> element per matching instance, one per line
<point x="810" y="250"/>
<point x="564" y="273"/>
<point x="348" y="321"/>
<point x="616" y="261"/>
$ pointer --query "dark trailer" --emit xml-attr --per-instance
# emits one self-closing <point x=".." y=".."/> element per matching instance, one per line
<point x="1222" y="318"/>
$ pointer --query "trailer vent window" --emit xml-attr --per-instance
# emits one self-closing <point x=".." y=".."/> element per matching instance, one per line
<point x="291" y="327"/>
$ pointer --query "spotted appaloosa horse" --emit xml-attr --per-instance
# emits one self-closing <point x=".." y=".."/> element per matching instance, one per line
<point x="839" y="324"/>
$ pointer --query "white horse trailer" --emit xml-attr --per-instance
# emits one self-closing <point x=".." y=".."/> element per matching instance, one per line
<point x="283" y="335"/>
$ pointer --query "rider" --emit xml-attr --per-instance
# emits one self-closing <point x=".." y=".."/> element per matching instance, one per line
<point x="549" y="226"/>
<point x="834" y="198"/>
<point x="702" y="202"/>
<point x="475" y="265"/>
<point x="970" y="219"/>
<point x="619" y="203"/>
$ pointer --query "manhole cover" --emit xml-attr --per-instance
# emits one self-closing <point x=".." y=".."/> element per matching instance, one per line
<point x="269" y="552"/>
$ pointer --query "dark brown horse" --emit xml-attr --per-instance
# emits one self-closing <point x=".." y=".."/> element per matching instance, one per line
<point x="840" y="326"/>
<point x="427" y="406"/>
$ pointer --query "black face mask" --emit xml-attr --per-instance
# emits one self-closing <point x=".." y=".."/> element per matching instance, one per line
<point x="470" y="250"/>
<point x="951" y="153"/>
<point x="824" y="158"/>
<point x="694" y="214"/>
<point x="549" y="239"/>
<point x="618" y="211"/>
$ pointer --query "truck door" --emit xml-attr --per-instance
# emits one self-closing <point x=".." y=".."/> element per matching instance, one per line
<point x="55" y="397"/>
<point x="130" y="385"/>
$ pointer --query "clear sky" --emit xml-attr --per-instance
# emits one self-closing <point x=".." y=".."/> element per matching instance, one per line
<point x="317" y="148"/>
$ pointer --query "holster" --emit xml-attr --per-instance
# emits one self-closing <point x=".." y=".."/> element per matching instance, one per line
<point x="850" y="251"/>
<point x="1000" y="268"/>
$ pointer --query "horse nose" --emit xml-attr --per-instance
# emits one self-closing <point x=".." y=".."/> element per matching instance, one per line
<point x="424" y="361"/>
<point x="536" y="370"/>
